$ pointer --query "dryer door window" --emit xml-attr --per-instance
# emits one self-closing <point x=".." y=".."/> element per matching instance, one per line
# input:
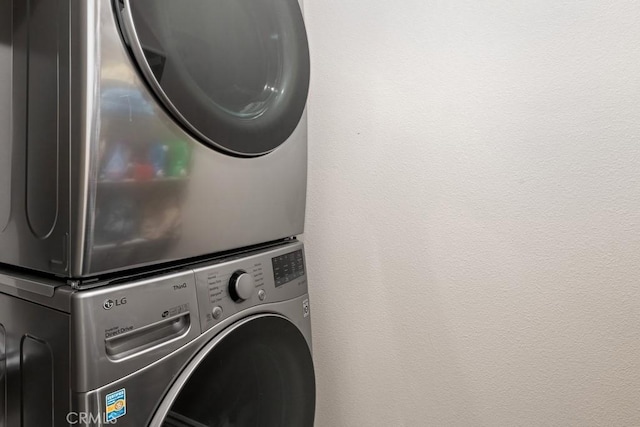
<point x="234" y="73"/>
<point x="259" y="373"/>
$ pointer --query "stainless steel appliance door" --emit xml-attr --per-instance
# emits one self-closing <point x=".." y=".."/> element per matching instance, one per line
<point x="258" y="372"/>
<point x="234" y="73"/>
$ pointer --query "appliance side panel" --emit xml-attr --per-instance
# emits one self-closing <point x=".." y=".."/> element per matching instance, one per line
<point x="35" y="357"/>
<point x="62" y="243"/>
<point x="37" y="393"/>
<point x="6" y="128"/>
<point x="43" y="145"/>
<point x="34" y="134"/>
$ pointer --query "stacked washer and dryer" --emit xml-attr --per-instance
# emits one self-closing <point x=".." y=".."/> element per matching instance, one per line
<point x="152" y="185"/>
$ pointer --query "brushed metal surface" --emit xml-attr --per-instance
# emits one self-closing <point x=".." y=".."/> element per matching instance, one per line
<point x="147" y="389"/>
<point x="83" y="114"/>
<point x="147" y="377"/>
<point x="43" y="143"/>
<point x="143" y="303"/>
<point x="47" y="292"/>
<point x="36" y="353"/>
<point x="136" y="306"/>
<point x="6" y="128"/>
<point x="37" y="184"/>
<point x="107" y="219"/>
<point x="37" y="393"/>
<point x="220" y="202"/>
<point x="148" y="367"/>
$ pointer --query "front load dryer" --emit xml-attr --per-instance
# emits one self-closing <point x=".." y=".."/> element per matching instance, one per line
<point x="218" y="344"/>
<point x="144" y="132"/>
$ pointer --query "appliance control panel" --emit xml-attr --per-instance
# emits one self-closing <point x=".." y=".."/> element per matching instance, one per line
<point x="236" y="284"/>
<point x="124" y="327"/>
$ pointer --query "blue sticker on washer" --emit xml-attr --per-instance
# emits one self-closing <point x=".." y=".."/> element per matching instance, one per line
<point x="116" y="404"/>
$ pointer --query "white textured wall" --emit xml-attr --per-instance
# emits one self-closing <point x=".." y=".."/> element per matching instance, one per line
<point x="473" y="231"/>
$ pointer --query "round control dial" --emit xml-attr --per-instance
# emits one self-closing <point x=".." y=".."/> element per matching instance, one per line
<point x="241" y="286"/>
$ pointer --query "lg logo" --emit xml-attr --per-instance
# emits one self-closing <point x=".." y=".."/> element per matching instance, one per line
<point x="110" y="303"/>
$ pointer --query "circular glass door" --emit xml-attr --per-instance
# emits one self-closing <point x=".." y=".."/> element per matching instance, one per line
<point x="235" y="73"/>
<point x="258" y="374"/>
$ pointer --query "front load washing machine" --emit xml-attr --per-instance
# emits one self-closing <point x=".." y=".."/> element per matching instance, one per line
<point x="143" y="132"/>
<point x="223" y="343"/>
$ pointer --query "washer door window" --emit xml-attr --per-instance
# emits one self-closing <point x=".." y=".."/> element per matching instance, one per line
<point x="233" y="72"/>
<point x="259" y="374"/>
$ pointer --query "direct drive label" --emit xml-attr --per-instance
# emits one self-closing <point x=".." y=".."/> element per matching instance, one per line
<point x="116" y="404"/>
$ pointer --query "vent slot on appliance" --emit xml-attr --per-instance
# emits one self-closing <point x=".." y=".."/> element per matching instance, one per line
<point x="36" y="371"/>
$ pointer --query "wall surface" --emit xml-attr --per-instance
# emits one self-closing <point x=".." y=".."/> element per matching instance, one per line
<point x="473" y="225"/>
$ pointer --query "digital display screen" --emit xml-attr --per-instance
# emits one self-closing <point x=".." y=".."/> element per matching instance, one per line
<point x="287" y="267"/>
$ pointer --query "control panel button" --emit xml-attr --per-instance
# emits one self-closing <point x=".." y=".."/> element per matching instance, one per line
<point x="262" y="294"/>
<point x="241" y="286"/>
<point x="216" y="312"/>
